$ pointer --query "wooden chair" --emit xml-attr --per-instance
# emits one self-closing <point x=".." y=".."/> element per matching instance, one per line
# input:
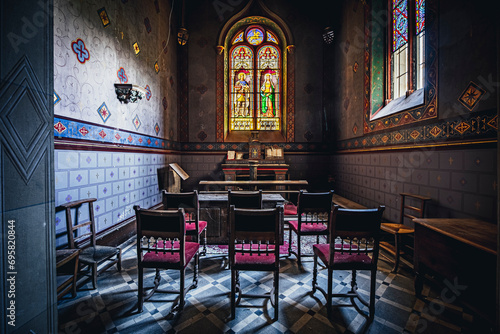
<point x="83" y="236"/>
<point x="313" y="215"/>
<point x="189" y="202"/>
<point x="244" y="199"/>
<point x="161" y="244"/>
<point x="254" y="245"/>
<point x="400" y="229"/>
<point x="354" y="236"/>
<point x="67" y="271"/>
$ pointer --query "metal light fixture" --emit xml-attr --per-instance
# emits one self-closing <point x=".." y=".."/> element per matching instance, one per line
<point x="328" y="35"/>
<point x="129" y="93"/>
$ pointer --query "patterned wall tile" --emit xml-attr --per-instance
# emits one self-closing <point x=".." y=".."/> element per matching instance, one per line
<point x="440" y="179"/>
<point x="464" y="181"/>
<point x="451" y="160"/>
<point x="481" y="206"/>
<point x="480" y="160"/>
<point x="450" y="199"/>
<point x="61" y="180"/>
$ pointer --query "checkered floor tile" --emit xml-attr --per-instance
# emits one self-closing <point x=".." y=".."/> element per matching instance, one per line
<point x="112" y="308"/>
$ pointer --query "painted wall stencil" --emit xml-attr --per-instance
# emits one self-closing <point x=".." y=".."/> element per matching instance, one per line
<point x="104" y="17"/>
<point x="148" y="92"/>
<point x="355" y="66"/>
<point x="157" y="67"/>
<point x="157" y="6"/>
<point x="56" y="98"/>
<point x="471" y="95"/>
<point x="137" y="122"/>
<point x="122" y="76"/>
<point x="157" y="128"/>
<point x="103" y="112"/>
<point x="80" y="50"/>
<point x="136" y="48"/>
<point x="147" y="24"/>
<point x="165" y="103"/>
<point x="164" y="47"/>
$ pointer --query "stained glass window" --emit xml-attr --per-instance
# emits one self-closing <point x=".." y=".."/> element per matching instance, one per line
<point x="420" y="15"/>
<point x="255" y="81"/>
<point x="399" y="24"/>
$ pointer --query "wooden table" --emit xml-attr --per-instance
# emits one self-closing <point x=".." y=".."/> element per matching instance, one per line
<point x="253" y="185"/>
<point x="463" y="253"/>
<point x="213" y="209"/>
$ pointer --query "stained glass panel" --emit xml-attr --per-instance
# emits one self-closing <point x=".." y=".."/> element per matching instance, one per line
<point x="241" y="89"/>
<point x="268" y="106"/>
<point x="271" y="37"/>
<point x="399" y="24"/>
<point x="420" y="15"/>
<point x="255" y="36"/>
<point x="238" y="38"/>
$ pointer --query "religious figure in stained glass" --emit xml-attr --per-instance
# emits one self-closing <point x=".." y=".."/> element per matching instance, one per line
<point x="267" y="90"/>
<point x="242" y="90"/>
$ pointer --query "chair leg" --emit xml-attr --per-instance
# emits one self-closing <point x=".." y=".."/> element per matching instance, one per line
<point x="315" y="273"/>
<point x="289" y="241"/>
<point x="372" y="294"/>
<point x="233" y="294"/>
<point x="397" y="245"/>
<point x="329" y="295"/>
<point x="119" y="262"/>
<point x="299" y="263"/>
<point x="276" y="293"/>
<point x="94" y="275"/>
<point x="195" y="274"/>
<point x="182" y="289"/>
<point x="140" y="292"/>
<point x="204" y="242"/>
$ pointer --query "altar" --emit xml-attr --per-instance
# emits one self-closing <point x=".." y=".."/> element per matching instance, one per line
<point x="246" y="169"/>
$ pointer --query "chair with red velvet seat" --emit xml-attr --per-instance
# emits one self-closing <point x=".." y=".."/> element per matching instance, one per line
<point x="161" y="244"/>
<point x="313" y="215"/>
<point x="254" y="245"/>
<point x="189" y="202"/>
<point x="244" y="199"/>
<point x="354" y="236"/>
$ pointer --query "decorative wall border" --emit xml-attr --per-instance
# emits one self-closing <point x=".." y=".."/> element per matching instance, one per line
<point x="66" y="128"/>
<point x="475" y="126"/>
<point x="374" y="64"/>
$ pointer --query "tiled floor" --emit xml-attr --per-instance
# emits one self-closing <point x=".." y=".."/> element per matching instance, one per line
<point x="112" y="308"/>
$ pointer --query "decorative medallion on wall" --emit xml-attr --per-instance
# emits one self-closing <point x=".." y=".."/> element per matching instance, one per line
<point x="122" y="76"/>
<point x="104" y="112"/>
<point x="148" y="92"/>
<point x="157" y="6"/>
<point x="347" y="45"/>
<point x="355" y="128"/>
<point x="202" y="89"/>
<point x="59" y="127"/>
<point x="136" y="48"/>
<point x="471" y="96"/>
<point x="147" y="24"/>
<point x="308" y="89"/>
<point x="202" y="135"/>
<point x="157" y="128"/>
<point x="80" y="50"/>
<point x="308" y="136"/>
<point x="56" y="98"/>
<point x="164" y="103"/>
<point x="83" y="131"/>
<point x="104" y="17"/>
<point x="355" y="67"/>
<point x="157" y="67"/>
<point x="137" y="122"/>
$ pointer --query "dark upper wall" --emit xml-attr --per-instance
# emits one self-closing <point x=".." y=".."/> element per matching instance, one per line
<point x="205" y="19"/>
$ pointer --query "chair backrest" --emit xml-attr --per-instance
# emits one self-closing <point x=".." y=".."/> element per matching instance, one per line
<point x="255" y="228"/>
<point x="187" y="200"/>
<point x="161" y="231"/>
<point x="415" y="209"/>
<point x="77" y="232"/>
<point x="314" y="207"/>
<point x="355" y="231"/>
<point x="245" y="199"/>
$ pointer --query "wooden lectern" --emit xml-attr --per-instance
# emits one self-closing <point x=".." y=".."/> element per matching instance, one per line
<point x="169" y="178"/>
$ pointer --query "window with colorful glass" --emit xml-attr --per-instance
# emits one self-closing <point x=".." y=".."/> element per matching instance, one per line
<point x="255" y="80"/>
<point x="407" y="43"/>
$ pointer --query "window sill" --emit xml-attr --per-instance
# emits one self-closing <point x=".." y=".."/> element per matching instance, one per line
<point x="401" y="103"/>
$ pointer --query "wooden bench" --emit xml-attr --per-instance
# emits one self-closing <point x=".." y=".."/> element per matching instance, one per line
<point x="346" y="203"/>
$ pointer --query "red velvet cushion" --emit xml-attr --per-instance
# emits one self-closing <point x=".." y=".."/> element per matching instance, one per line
<point x="309" y="227"/>
<point x="255" y="258"/>
<point x="323" y="252"/>
<point x="190" y="250"/>
<point x="290" y="209"/>
<point x="191" y="227"/>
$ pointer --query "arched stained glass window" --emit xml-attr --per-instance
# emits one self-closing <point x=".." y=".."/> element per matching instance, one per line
<point x="255" y="83"/>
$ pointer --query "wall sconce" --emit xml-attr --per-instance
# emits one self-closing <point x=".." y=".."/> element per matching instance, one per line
<point x="328" y="35"/>
<point x="129" y="93"/>
<point x="182" y="36"/>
